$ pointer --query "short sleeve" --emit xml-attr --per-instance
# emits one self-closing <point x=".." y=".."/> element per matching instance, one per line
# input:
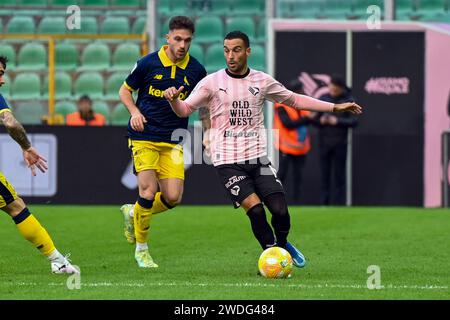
<point x="200" y="95"/>
<point x="275" y="91"/>
<point x="3" y="105"/>
<point x="136" y="78"/>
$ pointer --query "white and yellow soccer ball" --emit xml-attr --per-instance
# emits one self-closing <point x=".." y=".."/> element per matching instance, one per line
<point x="275" y="262"/>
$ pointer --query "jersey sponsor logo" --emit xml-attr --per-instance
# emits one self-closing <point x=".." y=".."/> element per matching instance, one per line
<point x="160" y="93"/>
<point x="245" y="134"/>
<point x="235" y="190"/>
<point x="253" y="90"/>
<point x="158" y="76"/>
<point x="233" y="180"/>
<point x="241" y="114"/>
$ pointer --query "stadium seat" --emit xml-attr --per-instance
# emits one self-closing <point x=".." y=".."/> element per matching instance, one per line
<point x="96" y="56"/>
<point x="120" y="115"/>
<point x="63" y="86"/>
<point x="164" y="29"/>
<point x="66" y="56"/>
<point x="249" y="7"/>
<point x="307" y="9"/>
<point x="209" y="30"/>
<point x="220" y="7"/>
<point x="102" y="108"/>
<point x="428" y="6"/>
<point x="125" y="56"/>
<point x="125" y="3"/>
<point x="337" y="9"/>
<point x="8" y="51"/>
<point x="404" y="9"/>
<point x="52" y="25"/>
<point x="30" y="113"/>
<point x="139" y="25"/>
<point x="65" y="107"/>
<point x="284" y="9"/>
<point x="32" y="56"/>
<point x="88" y="25"/>
<point x="197" y="52"/>
<point x="21" y="25"/>
<point x="163" y="8"/>
<point x="115" y="25"/>
<point x="5" y="89"/>
<point x="244" y="24"/>
<point x="257" y="59"/>
<point x="193" y="118"/>
<point x="26" y="86"/>
<point x="10" y="3"/>
<point x="214" y="59"/>
<point x="34" y="3"/>
<point x="179" y="7"/>
<point x="113" y="85"/>
<point x="261" y="31"/>
<point x="95" y="3"/>
<point x="89" y="83"/>
<point x="61" y="3"/>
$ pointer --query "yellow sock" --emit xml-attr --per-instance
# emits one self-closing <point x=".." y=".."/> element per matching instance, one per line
<point x="34" y="232"/>
<point x="158" y="204"/>
<point x="142" y="216"/>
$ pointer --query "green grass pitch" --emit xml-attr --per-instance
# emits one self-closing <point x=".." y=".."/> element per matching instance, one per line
<point x="210" y="253"/>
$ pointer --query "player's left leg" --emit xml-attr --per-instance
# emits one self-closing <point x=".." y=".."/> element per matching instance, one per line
<point x="30" y="228"/>
<point x="270" y="189"/>
<point x="171" y="178"/>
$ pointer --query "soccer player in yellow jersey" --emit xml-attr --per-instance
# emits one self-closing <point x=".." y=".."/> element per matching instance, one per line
<point x="156" y="150"/>
<point x="28" y="226"/>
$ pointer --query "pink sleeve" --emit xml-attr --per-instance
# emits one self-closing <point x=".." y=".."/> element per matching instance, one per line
<point x="276" y="92"/>
<point x="198" y="98"/>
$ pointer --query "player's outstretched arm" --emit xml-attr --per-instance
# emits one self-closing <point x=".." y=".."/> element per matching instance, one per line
<point x="348" y="106"/>
<point x="181" y="108"/>
<point x="32" y="158"/>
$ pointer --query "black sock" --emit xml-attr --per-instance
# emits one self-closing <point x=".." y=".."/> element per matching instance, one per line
<point x="281" y="220"/>
<point x="261" y="228"/>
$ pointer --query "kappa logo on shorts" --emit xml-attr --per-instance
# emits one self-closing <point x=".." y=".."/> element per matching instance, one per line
<point x="235" y="190"/>
<point x="233" y="180"/>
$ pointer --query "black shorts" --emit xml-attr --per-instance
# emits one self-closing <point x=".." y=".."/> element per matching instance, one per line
<point x="254" y="176"/>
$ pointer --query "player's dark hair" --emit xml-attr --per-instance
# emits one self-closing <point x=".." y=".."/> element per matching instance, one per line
<point x="238" y="35"/>
<point x="339" y="81"/>
<point x="181" y="22"/>
<point x="3" y="61"/>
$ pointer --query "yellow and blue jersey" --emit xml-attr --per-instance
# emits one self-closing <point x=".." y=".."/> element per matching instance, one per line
<point x="3" y="105"/>
<point x="152" y="75"/>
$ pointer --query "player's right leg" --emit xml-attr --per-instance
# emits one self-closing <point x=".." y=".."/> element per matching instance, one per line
<point x="30" y="228"/>
<point x="148" y="185"/>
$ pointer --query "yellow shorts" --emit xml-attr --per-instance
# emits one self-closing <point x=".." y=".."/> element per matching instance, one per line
<point x="163" y="157"/>
<point x="7" y="192"/>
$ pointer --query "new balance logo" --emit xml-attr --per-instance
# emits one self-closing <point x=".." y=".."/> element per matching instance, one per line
<point x="253" y="90"/>
<point x="224" y="90"/>
<point x="158" y="77"/>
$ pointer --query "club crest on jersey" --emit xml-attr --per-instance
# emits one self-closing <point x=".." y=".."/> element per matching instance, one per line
<point x="253" y="90"/>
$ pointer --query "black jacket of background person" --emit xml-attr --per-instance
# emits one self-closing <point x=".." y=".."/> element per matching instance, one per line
<point x="332" y="135"/>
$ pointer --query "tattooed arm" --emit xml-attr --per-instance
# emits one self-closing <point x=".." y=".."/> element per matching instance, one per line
<point x="15" y="130"/>
<point x="32" y="158"/>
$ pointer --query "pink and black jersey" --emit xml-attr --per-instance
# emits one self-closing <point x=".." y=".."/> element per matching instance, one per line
<point x="236" y="104"/>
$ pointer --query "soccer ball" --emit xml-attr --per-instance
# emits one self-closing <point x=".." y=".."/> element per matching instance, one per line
<point x="275" y="262"/>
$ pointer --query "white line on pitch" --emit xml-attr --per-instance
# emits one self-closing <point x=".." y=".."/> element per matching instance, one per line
<point x="245" y="284"/>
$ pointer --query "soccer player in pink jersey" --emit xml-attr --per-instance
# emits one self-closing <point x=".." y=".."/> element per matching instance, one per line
<point x="235" y="97"/>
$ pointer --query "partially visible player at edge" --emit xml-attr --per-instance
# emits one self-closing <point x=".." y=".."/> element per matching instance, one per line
<point x="157" y="156"/>
<point x="235" y="97"/>
<point x="28" y="226"/>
